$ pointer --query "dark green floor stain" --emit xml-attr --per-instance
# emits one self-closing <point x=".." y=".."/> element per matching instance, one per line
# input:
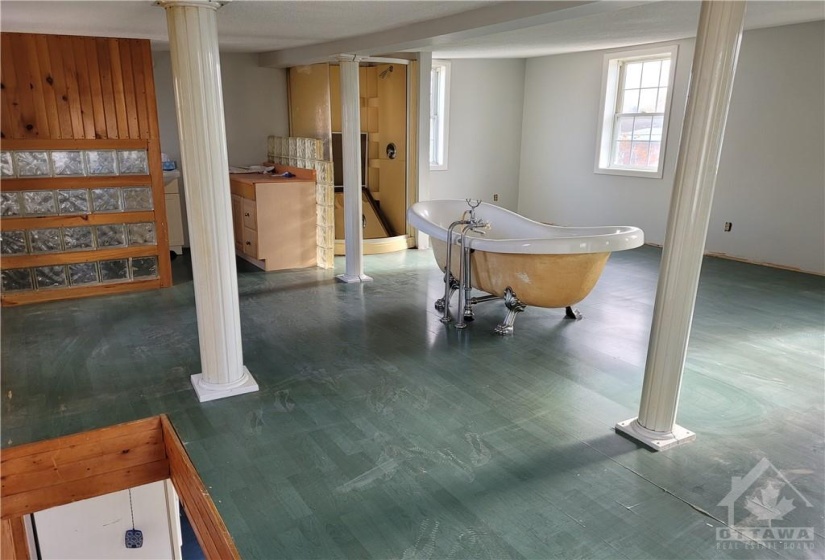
<point x="380" y="433"/>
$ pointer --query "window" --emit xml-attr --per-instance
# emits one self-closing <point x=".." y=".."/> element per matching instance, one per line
<point x="439" y="113"/>
<point x="636" y="106"/>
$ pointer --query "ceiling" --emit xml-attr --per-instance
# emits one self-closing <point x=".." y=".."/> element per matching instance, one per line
<point x="266" y="26"/>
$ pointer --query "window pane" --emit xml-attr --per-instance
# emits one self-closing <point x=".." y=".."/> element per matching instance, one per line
<point x="621" y="155"/>
<point x="653" y="155"/>
<point x="641" y="128"/>
<point x="650" y="73"/>
<point x="638" y="154"/>
<point x="630" y="101"/>
<point x="624" y="128"/>
<point x="647" y="100"/>
<point x="633" y="75"/>
<point x="656" y="132"/>
<point x="665" y="74"/>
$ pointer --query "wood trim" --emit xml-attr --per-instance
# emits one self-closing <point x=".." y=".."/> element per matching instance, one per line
<point x="159" y="203"/>
<point x="56" y="259"/>
<point x="72" y="144"/>
<point x="99" y="465"/>
<point x="14" y="544"/>
<point x="136" y="435"/>
<point x="11" y="454"/>
<point x="54" y="183"/>
<point x="63" y="470"/>
<point x="210" y="529"/>
<point x="89" y="487"/>
<point x="40" y="296"/>
<point x="38" y="222"/>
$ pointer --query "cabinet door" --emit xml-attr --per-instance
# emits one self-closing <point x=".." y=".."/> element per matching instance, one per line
<point x="237" y="221"/>
<point x="250" y="242"/>
<point x="174" y="220"/>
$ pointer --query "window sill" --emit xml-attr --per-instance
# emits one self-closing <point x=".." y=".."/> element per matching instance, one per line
<point x="629" y="172"/>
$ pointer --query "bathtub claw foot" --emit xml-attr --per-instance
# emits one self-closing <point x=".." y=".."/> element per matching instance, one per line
<point x="571" y="313"/>
<point x="514" y="307"/>
<point x="442" y="303"/>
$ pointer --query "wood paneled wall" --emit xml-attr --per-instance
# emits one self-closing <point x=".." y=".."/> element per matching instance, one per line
<point x="60" y="87"/>
<point x="59" y="471"/>
<point x="81" y="93"/>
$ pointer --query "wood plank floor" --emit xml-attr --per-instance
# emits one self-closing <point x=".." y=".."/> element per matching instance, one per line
<point x="380" y="433"/>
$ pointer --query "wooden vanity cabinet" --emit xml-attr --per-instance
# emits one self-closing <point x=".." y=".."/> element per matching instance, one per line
<point x="274" y="221"/>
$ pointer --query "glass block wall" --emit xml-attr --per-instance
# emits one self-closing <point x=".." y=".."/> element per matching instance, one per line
<point x="308" y="153"/>
<point x="72" y="163"/>
<point x="115" y="208"/>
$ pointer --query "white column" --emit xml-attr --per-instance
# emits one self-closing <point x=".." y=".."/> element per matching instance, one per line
<point x="351" y="152"/>
<point x="714" y="64"/>
<point x="193" y="41"/>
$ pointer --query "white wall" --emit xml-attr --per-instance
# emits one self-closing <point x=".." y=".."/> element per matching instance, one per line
<point x="486" y="100"/>
<point x="561" y="113"/>
<point x="255" y="106"/>
<point x="771" y="182"/>
<point x="96" y="528"/>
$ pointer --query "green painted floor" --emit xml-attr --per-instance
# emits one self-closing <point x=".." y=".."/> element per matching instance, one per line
<point x="380" y="433"/>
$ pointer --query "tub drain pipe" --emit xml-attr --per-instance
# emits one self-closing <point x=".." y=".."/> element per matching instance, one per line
<point x="448" y="277"/>
<point x="465" y="277"/>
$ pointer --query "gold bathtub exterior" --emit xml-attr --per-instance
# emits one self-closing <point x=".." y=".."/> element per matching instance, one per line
<point x="538" y="280"/>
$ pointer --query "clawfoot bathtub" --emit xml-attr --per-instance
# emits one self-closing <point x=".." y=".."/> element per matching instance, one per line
<point x="512" y="257"/>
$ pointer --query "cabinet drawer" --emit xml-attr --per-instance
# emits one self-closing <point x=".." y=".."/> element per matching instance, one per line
<point x="250" y="242"/>
<point x="250" y="214"/>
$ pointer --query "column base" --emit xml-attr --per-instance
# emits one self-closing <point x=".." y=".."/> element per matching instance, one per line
<point x="657" y="441"/>
<point x="351" y="278"/>
<point x="212" y="391"/>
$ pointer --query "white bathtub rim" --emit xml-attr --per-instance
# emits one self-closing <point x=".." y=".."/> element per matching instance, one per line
<point x="602" y="239"/>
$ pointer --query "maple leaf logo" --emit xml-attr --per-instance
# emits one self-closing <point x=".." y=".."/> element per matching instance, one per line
<point x="765" y="504"/>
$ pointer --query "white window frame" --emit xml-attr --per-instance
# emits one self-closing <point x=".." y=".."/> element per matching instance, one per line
<point x="439" y="114"/>
<point x="611" y="74"/>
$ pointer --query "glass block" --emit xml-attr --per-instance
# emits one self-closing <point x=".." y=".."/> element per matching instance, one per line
<point x="10" y="204"/>
<point x="137" y="198"/>
<point x="111" y="236"/>
<point x="6" y="164"/>
<point x="45" y="240"/>
<point x="83" y="273"/>
<point x="13" y="242"/>
<point x="74" y="201"/>
<point x="39" y="203"/>
<point x="50" y="276"/>
<point x="32" y="164"/>
<point x="141" y="234"/>
<point x="106" y="200"/>
<point x="17" y="279"/>
<point x="132" y="162"/>
<point x="101" y="162"/>
<point x="113" y="271"/>
<point x="67" y="163"/>
<point x="144" y="267"/>
<point x="78" y="238"/>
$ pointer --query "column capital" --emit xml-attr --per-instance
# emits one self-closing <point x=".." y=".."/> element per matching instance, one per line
<point x="210" y="4"/>
<point x="348" y="58"/>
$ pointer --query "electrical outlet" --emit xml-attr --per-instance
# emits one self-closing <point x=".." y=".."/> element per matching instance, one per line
<point x="495" y="198"/>
<point x="728" y="226"/>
